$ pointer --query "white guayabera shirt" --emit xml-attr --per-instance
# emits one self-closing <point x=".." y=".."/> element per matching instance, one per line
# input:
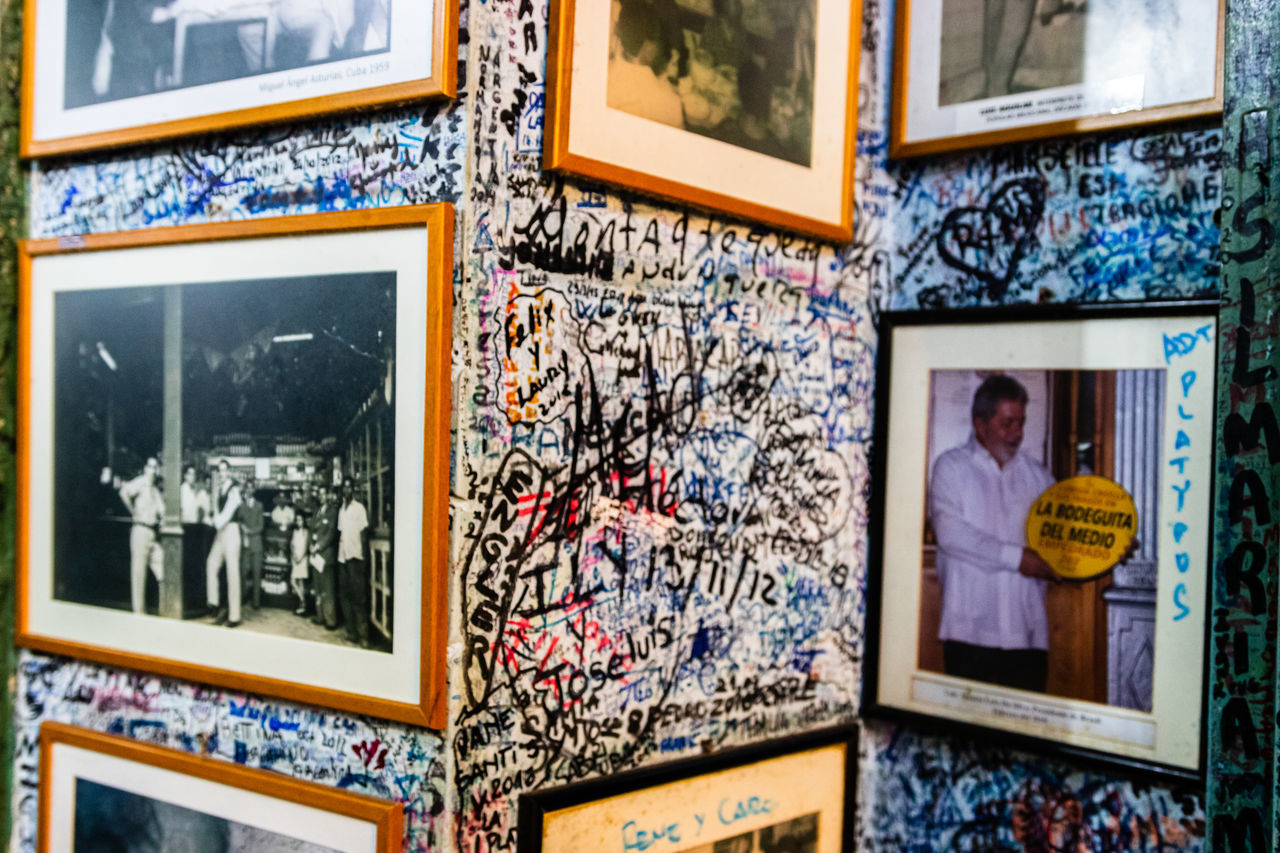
<point x="979" y="513"/>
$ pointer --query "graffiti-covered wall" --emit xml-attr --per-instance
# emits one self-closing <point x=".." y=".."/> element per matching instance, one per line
<point x="405" y="156"/>
<point x="661" y="433"/>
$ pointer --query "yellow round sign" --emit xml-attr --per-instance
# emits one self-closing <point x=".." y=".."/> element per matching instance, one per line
<point x="1082" y="526"/>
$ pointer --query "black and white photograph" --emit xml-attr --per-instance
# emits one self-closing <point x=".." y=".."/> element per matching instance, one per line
<point x="288" y="452"/>
<point x="106" y="73"/>
<point x="740" y="71"/>
<point x="1040" y="537"/>
<point x="998" y="47"/>
<point x="743" y="106"/>
<point x="126" y="48"/>
<point x="237" y="439"/>
<point x="982" y="72"/>
<point x="110" y="820"/>
<point x="992" y="608"/>
<point x="107" y="793"/>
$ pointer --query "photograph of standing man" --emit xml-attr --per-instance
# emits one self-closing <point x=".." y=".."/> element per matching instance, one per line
<point x="226" y="549"/>
<point x="324" y="560"/>
<point x="252" y="522"/>
<point x="146" y="507"/>
<point x="994" y="626"/>
<point x="353" y="536"/>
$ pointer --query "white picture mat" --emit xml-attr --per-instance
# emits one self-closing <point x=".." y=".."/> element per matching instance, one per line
<point x="394" y="676"/>
<point x="793" y="785"/>
<point x="317" y="826"/>
<point x="1188" y="74"/>
<point x="411" y="43"/>
<point x="621" y="139"/>
<point x="1096" y="344"/>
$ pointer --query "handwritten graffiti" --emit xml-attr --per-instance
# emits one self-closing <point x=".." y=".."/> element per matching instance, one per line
<point x="407" y="157"/>
<point x="989" y="242"/>
<point x="660" y="447"/>
<point x="389" y="761"/>
<point x="991" y="799"/>
<point x="1122" y="216"/>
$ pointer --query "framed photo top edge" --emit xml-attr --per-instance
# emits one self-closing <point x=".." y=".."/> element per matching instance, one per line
<point x="101" y="791"/>
<point x="795" y="793"/>
<point x="748" y="109"/>
<point x="1040" y="535"/>
<point x="971" y="73"/>
<point x="149" y="71"/>
<point x="234" y="455"/>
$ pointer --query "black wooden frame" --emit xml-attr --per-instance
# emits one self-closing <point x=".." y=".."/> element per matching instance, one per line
<point x="871" y="707"/>
<point x="535" y="806"/>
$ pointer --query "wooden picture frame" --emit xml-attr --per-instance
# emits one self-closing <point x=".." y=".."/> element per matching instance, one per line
<point x="100" y="101"/>
<point x="720" y="802"/>
<point x="351" y="283"/>
<point x="698" y="141"/>
<point x="93" y="783"/>
<point x="1112" y="669"/>
<point x="1061" y="78"/>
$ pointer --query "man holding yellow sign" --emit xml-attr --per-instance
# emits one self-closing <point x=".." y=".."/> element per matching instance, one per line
<point x="992" y="545"/>
<point x="993" y="626"/>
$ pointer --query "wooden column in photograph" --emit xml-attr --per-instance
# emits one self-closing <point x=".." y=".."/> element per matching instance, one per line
<point x="171" y="532"/>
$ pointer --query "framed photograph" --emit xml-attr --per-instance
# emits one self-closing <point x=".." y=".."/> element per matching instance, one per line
<point x="971" y="73"/>
<point x="742" y="106"/>
<point x="105" y="792"/>
<point x="1041" y="527"/>
<point x="794" y="795"/>
<point x="234" y="455"/>
<point x="101" y="73"/>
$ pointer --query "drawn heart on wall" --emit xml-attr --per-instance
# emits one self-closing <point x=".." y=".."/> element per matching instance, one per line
<point x="989" y="242"/>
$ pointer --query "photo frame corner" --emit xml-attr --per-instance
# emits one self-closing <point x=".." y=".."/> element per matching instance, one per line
<point x="386" y="817"/>
<point x="900" y="147"/>
<point x="447" y="21"/>
<point x="440" y="80"/>
<point x="27" y="149"/>
<point x="559" y="85"/>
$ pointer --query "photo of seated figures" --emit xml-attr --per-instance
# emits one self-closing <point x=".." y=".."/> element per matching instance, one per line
<point x="799" y="835"/>
<point x="127" y="48"/>
<point x="739" y="71"/>
<point x="285" y="436"/>
<point x="992" y="609"/>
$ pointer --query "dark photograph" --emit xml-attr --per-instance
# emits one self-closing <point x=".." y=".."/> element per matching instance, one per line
<point x="125" y="48"/>
<point x="798" y="835"/>
<point x="224" y="453"/>
<point x="739" y="71"/>
<point x="992" y="609"/>
<point x="109" y="820"/>
<point x="992" y="48"/>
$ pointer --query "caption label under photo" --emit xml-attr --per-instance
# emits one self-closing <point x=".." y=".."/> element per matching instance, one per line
<point x="1093" y="721"/>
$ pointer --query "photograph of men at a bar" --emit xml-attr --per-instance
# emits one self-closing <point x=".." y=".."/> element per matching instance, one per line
<point x="225" y="454"/>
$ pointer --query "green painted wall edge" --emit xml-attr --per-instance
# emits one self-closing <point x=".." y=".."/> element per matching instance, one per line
<point x="12" y="229"/>
<point x="1240" y="729"/>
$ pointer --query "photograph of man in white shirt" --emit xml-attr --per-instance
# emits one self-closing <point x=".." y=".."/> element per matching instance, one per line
<point x="994" y="627"/>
